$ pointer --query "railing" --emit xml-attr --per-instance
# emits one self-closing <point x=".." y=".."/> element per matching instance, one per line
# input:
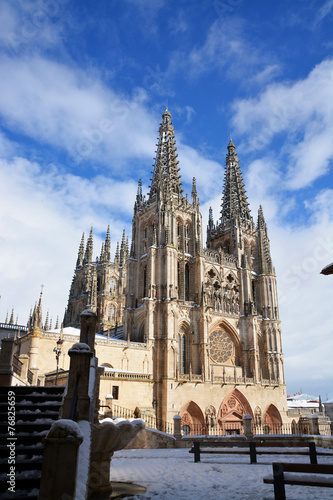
<point x="7" y="326"/>
<point x="220" y="258"/>
<point x="225" y="429"/>
<point x="150" y="420"/>
<point x="17" y="366"/>
<point x="292" y="428"/>
<point x="128" y="376"/>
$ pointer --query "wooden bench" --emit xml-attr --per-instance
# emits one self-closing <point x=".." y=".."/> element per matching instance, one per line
<point x="254" y="448"/>
<point x="298" y="474"/>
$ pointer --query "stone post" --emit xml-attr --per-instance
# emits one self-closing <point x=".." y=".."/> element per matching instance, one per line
<point x="177" y="421"/>
<point x="6" y="360"/>
<point x="60" y="461"/>
<point x="247" y="421"/>
<point x="24" y="358"/>
<point x="77" y="401"/>
<point x="314" y="425"/>
<point x="88" y="328"/>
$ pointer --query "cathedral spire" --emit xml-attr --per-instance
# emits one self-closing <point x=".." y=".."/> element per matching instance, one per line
<point x="46" y="325"/>
<point x="80" y="253"/>
<point x="117" y="256"/>
<point x="123" y="250"/>
<point x="11" y="320"/>
<point x="211" y="219"/>
<point x="102" y="256"/>
<point x="89" y="248"/>
<point x="166" y="172"/>
<point x="107" y="245"/>
<point x="234" y="204"/>
<point x="37" y="314"/>
<point x="264" y="254"/>
<point x="194" y="191"/>
<point x="139" y="197"/>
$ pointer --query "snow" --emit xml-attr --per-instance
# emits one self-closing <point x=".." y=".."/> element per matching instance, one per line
<point x="69" y="426"/>
<point x="80" y="347"/>
<point x="108" y="369"/>
<point x="84" y="459"/>
<point x="172" y="474"/>
<point x="69" y="330"/>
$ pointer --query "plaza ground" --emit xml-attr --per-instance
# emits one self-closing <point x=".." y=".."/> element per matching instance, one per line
<point x="173" y="475"/>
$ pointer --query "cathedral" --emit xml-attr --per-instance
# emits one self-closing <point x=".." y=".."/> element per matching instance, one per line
<point x="182" y="328"/>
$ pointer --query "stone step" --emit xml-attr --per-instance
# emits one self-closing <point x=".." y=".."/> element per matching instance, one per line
<point x="22" y="483"/>
<point x="32" y="447"/>
<point x="29" y="415"/>
<point x="36" y="408"/>
<point x="23" y="463"/>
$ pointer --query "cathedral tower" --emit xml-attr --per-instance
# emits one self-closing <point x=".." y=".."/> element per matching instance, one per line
<point x="201" y="328"/>
<point x="98" y="284"/>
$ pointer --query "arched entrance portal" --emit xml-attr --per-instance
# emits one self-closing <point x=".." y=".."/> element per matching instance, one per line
<point x="230" y="416"/>
<point x="193" y="421"/>
<point x="272" y="421"/>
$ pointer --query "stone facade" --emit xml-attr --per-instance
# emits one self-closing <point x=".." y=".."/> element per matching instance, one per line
<point x="198" y="330"/>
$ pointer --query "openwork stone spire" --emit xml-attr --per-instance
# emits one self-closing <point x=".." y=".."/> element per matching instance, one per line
<point x="264" y="253"/>
<point x="89" y="248"/>
<point x="166" y="177"/>
<point x="234" y="204"/>
<point x="80" y="255"/>
<point x="37" y="314"/>
<point x="107" y="246"/>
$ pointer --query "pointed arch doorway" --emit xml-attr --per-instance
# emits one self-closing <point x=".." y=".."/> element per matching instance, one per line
<point x="193" y="421"/>
<point x="231" y="412"/>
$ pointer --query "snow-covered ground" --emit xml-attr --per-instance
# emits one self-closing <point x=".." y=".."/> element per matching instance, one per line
<point x="173" y="475"/>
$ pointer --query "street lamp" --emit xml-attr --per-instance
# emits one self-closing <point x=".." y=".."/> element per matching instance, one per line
<point x="57" y="351"/>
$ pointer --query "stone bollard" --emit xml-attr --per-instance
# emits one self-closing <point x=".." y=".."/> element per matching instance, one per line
<point x="247" y="421"/>
<point x="78" y="383"/>
<point x="177" y="420"/>
<point x="60" y="460"/>
<point x="314" y="425"/>
<point x="88" y="328"/>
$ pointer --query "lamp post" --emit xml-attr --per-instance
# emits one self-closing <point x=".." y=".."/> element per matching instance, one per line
<point x="57" y="351"/>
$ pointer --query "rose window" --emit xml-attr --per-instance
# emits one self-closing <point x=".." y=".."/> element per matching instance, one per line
<point x="221" y="347"/>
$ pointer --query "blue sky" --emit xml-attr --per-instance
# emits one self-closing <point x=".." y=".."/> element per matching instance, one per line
<point x="82" y="89"/>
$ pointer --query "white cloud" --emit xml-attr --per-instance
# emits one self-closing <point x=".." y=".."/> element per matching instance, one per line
<point x="227" y="47"/>
<point x="43" y="214"/>
<point x="324" y="11"/>
<point x="299" y="254"/>
<point x="66" y="108"/>
<point x="28" y="25"/>
<point x="194" y="164"/>
<point x="303" y="111"/>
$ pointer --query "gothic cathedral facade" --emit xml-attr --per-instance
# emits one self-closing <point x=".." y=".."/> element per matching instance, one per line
<point x="207" y="318"/>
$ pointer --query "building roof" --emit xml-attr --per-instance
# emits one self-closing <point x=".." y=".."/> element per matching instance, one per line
<point x="301" y="400"/>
